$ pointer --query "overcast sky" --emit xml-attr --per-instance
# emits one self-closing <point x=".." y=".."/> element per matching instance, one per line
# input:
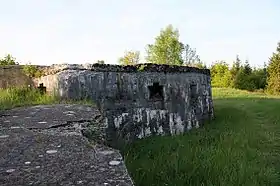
<point x="84" y="31"/>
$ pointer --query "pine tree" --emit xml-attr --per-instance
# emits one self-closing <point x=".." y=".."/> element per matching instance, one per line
<point x="273" y="71"/>
<point x="247" y="68"/>
<point x="236" y="66"/>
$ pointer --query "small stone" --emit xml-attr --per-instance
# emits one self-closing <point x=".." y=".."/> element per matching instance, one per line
<point x="37" y="167"/>
<point x="40" y="156"/>
<point x="4" y="136"/>
<point x="15" y="127"/>
<point x="27" y="163"/>
<point x="51" y="151"/>
<point x="106" y="152"/>
<point x="106" y="183"/>
<point x="42" y="122"/>
<point x="27" y="117"/>
<point x="79" y="182"/>
<point x="70" y="114"/>
<point x="114" y="162"/>
<point x="10" y="170"/>
<point x="7" y="121"/>
<point x="58" y="146"/>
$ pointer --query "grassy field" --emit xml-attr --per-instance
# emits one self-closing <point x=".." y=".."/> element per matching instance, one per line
<point x="240" y="147"/>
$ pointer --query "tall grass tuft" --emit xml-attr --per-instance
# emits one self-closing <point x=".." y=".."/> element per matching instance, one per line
<point x="24" y="96"/>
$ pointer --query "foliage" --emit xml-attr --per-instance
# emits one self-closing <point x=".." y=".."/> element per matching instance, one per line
<point x="241" y="144"/>
<point x="191" y="58"/>
<point x="32" y="71"/>
<point x="240" y="76"/>
<point x="197" y="64"/>
<point x="141" y="67"/>
<point x="26" y="96"/>
<point x="15" y="97"/>
<point x="130" y="58"/>
<point x="273" y="70"/>
<point x="8" y="60"/>
<point x="167" y="48"/>
<point x="100" y="61"/>
<point x="220" y="74"/>
<point x="244" y="79"/>
<point x="260" y="78"/>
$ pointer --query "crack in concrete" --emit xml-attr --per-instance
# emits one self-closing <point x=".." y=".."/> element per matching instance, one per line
<point x="69" y="123"/>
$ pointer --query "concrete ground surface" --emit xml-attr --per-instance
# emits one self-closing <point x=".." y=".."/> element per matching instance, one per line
<point x="45" y="145"/>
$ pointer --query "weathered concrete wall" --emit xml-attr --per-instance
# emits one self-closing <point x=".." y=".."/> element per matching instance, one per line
<point x="184" y="98"/>
<point x="13" y="76"/>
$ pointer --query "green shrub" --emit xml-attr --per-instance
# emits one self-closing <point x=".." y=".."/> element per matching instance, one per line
<point x="32" y="71"/>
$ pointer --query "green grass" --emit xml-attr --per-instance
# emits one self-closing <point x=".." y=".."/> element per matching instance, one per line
<point x="240" y="147"/>
<point x="19" y="97"/>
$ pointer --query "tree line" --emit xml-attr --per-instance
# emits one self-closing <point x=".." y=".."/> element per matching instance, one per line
<point x="242" y="76"/>
<point x="168" y="49"/>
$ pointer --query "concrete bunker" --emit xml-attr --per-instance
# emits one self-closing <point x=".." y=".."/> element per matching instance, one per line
<point x="156" y="100"/>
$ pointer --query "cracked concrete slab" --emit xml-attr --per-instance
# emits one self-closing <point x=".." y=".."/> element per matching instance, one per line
<point x="37" y="148"/>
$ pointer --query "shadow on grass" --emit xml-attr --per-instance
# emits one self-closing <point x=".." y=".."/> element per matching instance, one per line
<point x="233" y="149"/>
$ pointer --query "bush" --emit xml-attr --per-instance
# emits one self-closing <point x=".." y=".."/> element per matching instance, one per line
<point x="220" y="75"/>
<point x="32" y="71"/>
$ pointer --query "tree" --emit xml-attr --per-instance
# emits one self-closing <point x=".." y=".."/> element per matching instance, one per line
<point x="247" y="68"/>
<point x="258" y="77"/>
<point x="220" y="74"/>
<point x="130" y="58"/>
<point x="8" y="60"/>
<point x="167" y="48"/>
<point x="234" y="70"/>
<point x="273" y="70"/>
<point x="190" y="57"/>
<point x="245" y="79"/>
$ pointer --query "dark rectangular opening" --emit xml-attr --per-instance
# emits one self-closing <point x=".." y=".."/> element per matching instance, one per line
<point x="193" y="89"/>
<point x="156" y="91"/>
<point x="42" y="88"/>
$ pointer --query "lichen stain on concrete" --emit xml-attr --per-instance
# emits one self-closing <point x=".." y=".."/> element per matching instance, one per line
<point x="118" y="120"/>
<point x="175" y="124"/>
